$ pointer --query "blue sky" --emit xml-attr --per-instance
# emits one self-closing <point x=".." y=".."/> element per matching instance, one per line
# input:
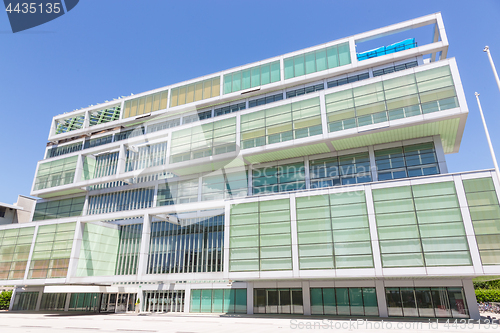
<point x="106" y="49"/>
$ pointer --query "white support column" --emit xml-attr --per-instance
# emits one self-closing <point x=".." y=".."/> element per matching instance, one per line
<point x="187" y="298"/>
<point x="122" y="159"/>
<point x="250" y="180"/>
<point x="470" y="298"/>
<point x="377" y="261"/>
<point x="12" y="298"/>
<point x="155" y="197"/>
<point x="352" y="49"/>
<point x="381" y="301"/>
<point x="86" y="204"/>
<point x="324" y="119"/>
<point x="200" y="187"/>
<point x="39" y="300"/>
<point x="469" y="228"/>
<point x="238" y="124"/>
<point x="144" y="250"/>
<point x="306" y="298"/>
<point x="443" y="168"/>
<point x="86" y="120"/>
<point x="68" y="300"/>
<point x="79" y="169"/>
<point x="28" y="264"/>
<point x="306" y="170"/>
<point x="293" y="231"/>
<point x="227" y="218"/>
<point x="249" y="297"/>
<point x="373" y="164"/>
<point x="75" y="250"/>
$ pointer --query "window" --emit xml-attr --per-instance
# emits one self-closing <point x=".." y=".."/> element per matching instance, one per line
<point x="342" y="170"/>
<point x="331" y="57"/>
<point x="408" y="161"/>
<point x="282" y="178"/>
<point x="282" y="300"/>
<point x="163" y="125"/>
<point x="100" y="165"/>
<point x="265" y="100"/>
<point x="173" y="193"/>
<point x="349" y="79"/>
<point x="306" y="90"/>
<point x="120" y="201"/>
<point x="196" y="117"/>
<point x="15" y="245"/>
<point x="229" y="109"/>
<point x="129" y="133"/>
<point x="219" y="300"/>
<point x="55" y="173"/>
<point x="2" y="211"/>
<point x="146" y="156"/>
<point x="395" y="68"/>
<point x="56" y="209"/>
<point x="447" y="302"/>
<point x="63" y="150"/>
<point x="146" y="104"/>
<point x="344" y="301"/>
<point x="195" y="92"/>
<point x="252" y="77"/>
<point x="98" y="141"/>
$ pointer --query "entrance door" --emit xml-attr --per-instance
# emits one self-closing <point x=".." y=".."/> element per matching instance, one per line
<point x="122" y="302"/>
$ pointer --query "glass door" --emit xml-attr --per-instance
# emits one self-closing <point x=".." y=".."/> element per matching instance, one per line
<point x="121" y="304"/>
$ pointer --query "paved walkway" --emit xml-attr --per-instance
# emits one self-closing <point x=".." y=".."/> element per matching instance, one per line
<point x="21" y="322"/>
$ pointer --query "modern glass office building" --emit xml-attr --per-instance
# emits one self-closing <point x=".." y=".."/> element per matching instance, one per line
<point x="311" y="183"/>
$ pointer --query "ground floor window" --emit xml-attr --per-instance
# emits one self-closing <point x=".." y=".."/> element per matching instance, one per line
<point x="344" y="301"/>
<point x="25" y="301"/>
<point x="282" y="300"/>
<point x="88" y="302"/>
<point x="55" y="301"/>
<point x="164" y="301"/>
<point x="427" y="302"/>
<point x="219" y="300"/>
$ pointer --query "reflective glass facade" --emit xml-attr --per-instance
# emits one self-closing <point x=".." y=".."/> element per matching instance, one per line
<point x="15" y="245"/>
<point x="344" y="301"/>
<point x="219" y="300"/>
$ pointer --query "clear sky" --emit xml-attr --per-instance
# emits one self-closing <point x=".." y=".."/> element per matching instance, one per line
<point x="104" y="49"/>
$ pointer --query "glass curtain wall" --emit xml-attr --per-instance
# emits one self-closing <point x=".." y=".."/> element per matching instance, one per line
<point x="120" y="201"/>
<point x="219" y="300"/>
<point x="407" y="161"/>
<point x="195" y="92"/>
<point x="420" y="225"/>
<point x="447" y="302"/>
<point x="63" y="150"/>
<point x="88" y="302"/>
<point x="281" y="178"/>
<point x="56" y="209"/>
<point x="195" y="245"/>
<point x="55" y="173"/>
<point x="55" y="302"/>
<point x="283" y="123"/>
<point x="333" y="231"/>
<point x="342" y="170"/>
<point x="128" y="249"/>
<point x="421" y="93"/>
<point x="282" y="300"/>
<point x="178" y="192"/>
<point x="146" y="104"/>
<point x="222" y="185"/>
<point x="252" y="77"/>
<point x="319" y="60"/>
<point x="15" y="245"/>
<point x="100" y="165"/>
<point x="164" y="301"/>
<point x="146" y="157"/>
<point x="485" y="215"/>
<point x="260" y="236"/>
<point x="344" y="301"/>
<point x="25" y="301"/>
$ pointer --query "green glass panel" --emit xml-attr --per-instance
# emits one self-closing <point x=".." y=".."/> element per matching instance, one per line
<point x="275" y="72"/>
<point x="490" y="257"/>
<point x="243" y="265"/>
<point x="460" y="258"/>
<point x="240" y="305"/>
<point x="361" y="261"/>
<point x="482" y="198"/>
<point x="439" y="216"/>
<point x="351" y="222"/>
<point x="248" y="241"/>
<point x="347" y="198"/>
<point x="321" y="63"/>
<point x="313" y="213"/>
<point x="370" y="301"/>
<point x="244" y="253"/>
<point x="353" y="248"/>
<point x="275" y="228"/>
<point x="275" y="264"/>
<point x="392" y="193"/>
<point x="348" y="210"/>
<point x="396" y="219"/>
<point x="275" y="239"/>
<point x="356" y="301"/>
<point x="251" y="207"/>
<point x="433" y="73"/>
<point x="486" y="227"/>
<point x="316" y="301"/>
<point x="313" y="201"/>
<point x="445" y="244"/>
<point x="270" y="205"/>
<point x="289" y="68"/>
<point x="398" y="232"/>
<point x="314" y="225"/>
<point x="402" y="260"/>
<point x="351" y="235"/>
<point x="442" y="230"/>
<point x="399" y="82"/>
<point x="275" y="216"/>
<point x="329" y="301"/>
<point x="436" y="203"/>
<point x="244" y="230"/>
<point x="394" y="206"/>
<point x="315" y="237"/>
<point x="237" y="220"/>
<point x="276" y="252"/>
<point x="218" y="300"/>
<point x="435" y="189"/>
<point x="332" y="56"/>
<point x="400" y="246"/>
<point x="478" y="185"/>
<point x="316" y="262"/>
<point x="206" y="300"/>
<point x="315" y="250"/>
<point x="344" y="54"/>
<point x="484" y="212"/>
<point x="488" y="242"/>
